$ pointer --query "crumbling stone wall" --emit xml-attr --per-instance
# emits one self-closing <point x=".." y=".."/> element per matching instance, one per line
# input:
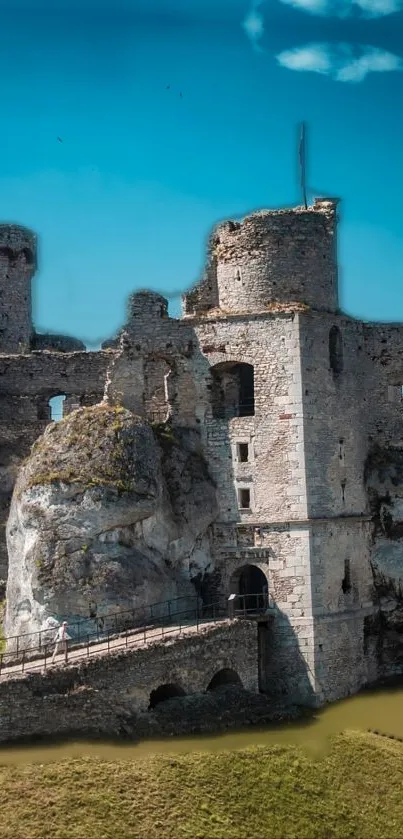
<point x="27" y="382"/>
<point x="98" y="694"/>
<point x="272" y="256"/>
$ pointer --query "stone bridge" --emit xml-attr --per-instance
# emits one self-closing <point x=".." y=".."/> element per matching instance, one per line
<point x="97" y="694"/>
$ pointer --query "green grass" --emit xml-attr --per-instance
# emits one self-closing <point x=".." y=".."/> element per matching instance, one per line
<point x="354" y="791"/>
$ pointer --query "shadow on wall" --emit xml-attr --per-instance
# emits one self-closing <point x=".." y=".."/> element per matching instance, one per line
<point x="284" y="672"/>
<point x="163" y="359"/>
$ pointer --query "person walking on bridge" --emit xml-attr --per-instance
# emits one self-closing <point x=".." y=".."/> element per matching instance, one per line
<point x="61" y="640"/>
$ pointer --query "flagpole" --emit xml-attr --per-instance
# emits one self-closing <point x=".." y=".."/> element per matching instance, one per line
<point x="302" y="161"/>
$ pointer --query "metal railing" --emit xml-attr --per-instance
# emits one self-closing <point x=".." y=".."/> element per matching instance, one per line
<point x="95" y="626"/>
<point x="246" y="408"/>
<point x="123" y="635"/>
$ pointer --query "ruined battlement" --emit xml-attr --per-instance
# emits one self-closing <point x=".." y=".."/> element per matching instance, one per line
<point x="17" y="238"/>
<point x="17" y="267"/>
<point x="271" y="256"/>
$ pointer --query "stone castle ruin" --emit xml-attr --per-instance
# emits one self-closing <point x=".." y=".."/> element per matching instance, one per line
<point x="254" y="444"/>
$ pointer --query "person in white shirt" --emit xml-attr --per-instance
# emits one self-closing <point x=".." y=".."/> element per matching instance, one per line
<point x="61" y="640"/>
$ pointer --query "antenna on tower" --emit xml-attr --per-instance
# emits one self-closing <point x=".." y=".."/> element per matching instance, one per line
<point x="302" y="162"/>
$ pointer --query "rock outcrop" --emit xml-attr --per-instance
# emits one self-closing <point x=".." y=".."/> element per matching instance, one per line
<point x="384" y="482"/>
<point x="108" y="513"/>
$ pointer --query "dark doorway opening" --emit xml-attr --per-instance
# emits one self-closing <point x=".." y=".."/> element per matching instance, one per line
<point x="250" y="583"/>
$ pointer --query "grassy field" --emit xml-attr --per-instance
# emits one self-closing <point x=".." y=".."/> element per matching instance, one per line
<point x="356" y="790"/>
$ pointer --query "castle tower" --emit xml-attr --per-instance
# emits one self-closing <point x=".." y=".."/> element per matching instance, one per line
<point x="17" y="267"/>
<point x="281" y="428"/>
<point x="272" y="256"/>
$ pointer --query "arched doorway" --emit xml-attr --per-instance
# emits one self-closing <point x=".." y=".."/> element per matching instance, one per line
<point x="223" y="678"/>
<point x="250" y="584"/>
<point x="164" y="692"/>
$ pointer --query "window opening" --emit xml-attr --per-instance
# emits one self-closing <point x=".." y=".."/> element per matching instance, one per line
<point x="243" y="452"/>
<point x="233" y="392"/>
<point x="346" y="582"/>
<point x="56" y="405"/>
<point x="244" y="499"/>
<point x="335" y="350"/>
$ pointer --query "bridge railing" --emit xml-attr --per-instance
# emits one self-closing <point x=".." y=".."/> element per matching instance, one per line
<point x="95" y="626"/>
<point x="41" y="657"/>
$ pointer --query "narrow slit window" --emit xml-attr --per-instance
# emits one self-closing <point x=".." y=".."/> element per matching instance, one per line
<point x="243" y="452"/>
<point x="346" y="582"/>
<point x="244" y="499"/>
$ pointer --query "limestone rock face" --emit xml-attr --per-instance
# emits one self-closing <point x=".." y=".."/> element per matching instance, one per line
<point x="384" y="482"/>
<point x="107" y="514"/>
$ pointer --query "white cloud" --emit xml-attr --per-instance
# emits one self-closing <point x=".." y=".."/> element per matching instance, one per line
<point x="315" y="7"/>
<point x="253" y="24"/>
<point x="345" y="8"/>
<point x="314" y="57"/>
<point x="340" y="61"/>
<point x="373" y="61"/>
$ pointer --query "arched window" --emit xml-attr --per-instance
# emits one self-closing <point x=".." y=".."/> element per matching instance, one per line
<point x="233" y="390"/>
<point x="56" y="407"/>
<point x="335" y="350"/>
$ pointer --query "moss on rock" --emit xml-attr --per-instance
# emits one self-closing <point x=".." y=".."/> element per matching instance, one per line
<point x="94" y="446"/>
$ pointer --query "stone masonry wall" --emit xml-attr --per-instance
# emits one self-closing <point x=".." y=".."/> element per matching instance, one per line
<point x="341" y="599"/>
<point x="99" y="692"/>
<point x="274" y="472"/>
<point x="341" y="664"/>
<point x="383" y="351"/>
<point x="335" y="416"/>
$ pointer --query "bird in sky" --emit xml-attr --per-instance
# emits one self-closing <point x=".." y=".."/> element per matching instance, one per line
<point x="60" y="139"/>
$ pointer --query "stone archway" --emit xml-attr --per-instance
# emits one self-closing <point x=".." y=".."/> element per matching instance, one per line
<point x="250" y="583"/>
<point x="164" y="692"/>
<point x="223" y="678"/>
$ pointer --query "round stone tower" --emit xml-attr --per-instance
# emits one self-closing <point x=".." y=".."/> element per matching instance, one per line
<point x="17" y="267"/>
<point x="271" y="257"/>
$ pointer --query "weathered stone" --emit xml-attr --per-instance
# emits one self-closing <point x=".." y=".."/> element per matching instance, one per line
<point x="102" y="694"/>
<point x="109" y="512"/>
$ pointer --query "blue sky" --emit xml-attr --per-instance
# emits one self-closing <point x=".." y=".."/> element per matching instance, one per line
<point x="127" y="199"/>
